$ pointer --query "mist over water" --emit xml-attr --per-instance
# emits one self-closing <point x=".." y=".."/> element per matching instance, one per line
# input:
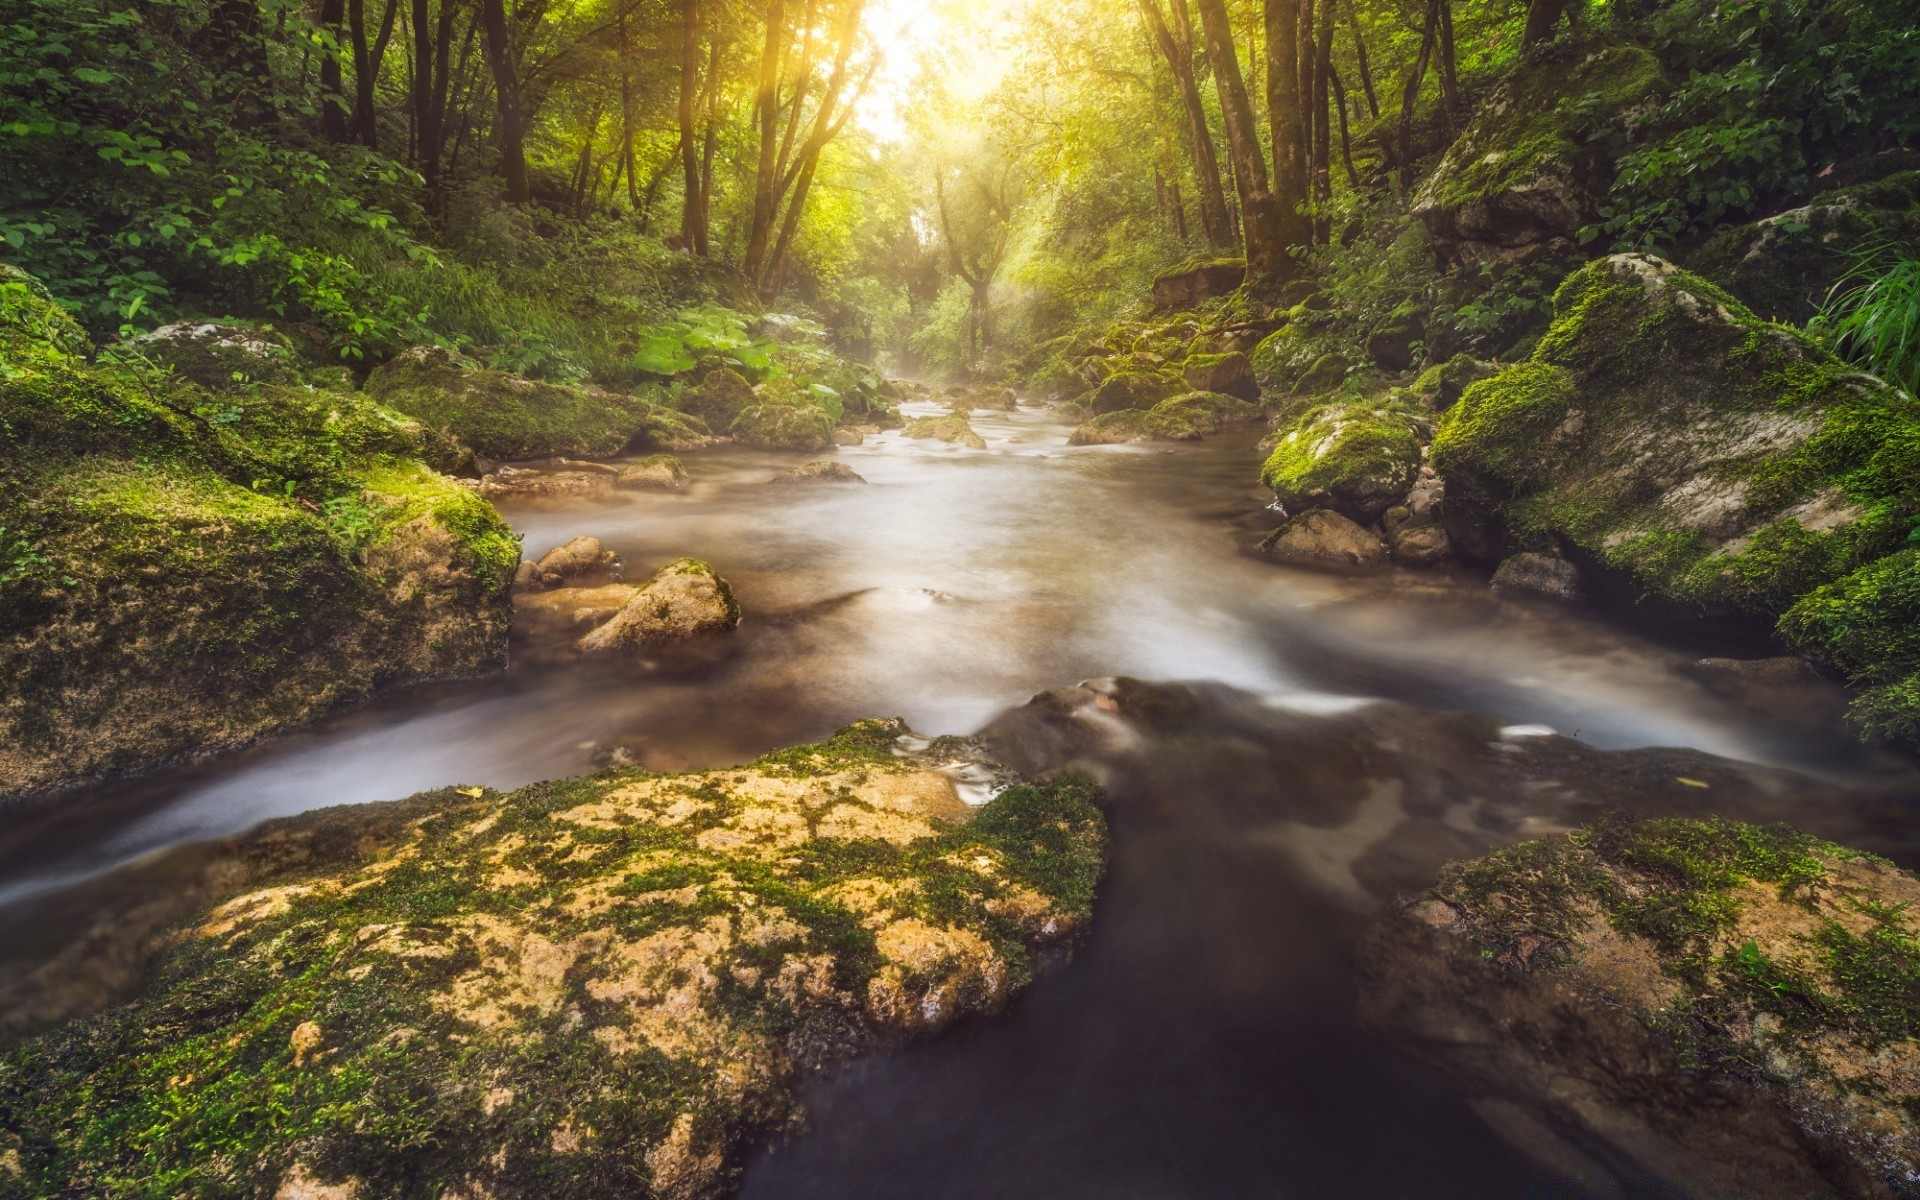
<point x="1202" y="1045"/>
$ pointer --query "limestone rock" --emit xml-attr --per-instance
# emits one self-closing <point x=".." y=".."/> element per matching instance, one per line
<point x="581" y="558"/>
<point x="221" y="356"/>
<point x="781" y="426"/>
<point x="1224" y="374"/>
<point x="954" y="429"/>
<point x="683" y="600"/>
<point x="656" y="472"/>
<point x="1713" y="1002"/>
<point x="1187" y="284"/>
<point x="1357" y="458"/>
<point x="502" y="416"/>
<point x="1324" y="538"/>
<point x="821" y="471"/>
<point x="1541" y="574"/>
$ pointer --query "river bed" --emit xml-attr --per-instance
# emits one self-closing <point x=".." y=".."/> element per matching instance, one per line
<point x="1202" y="1045"/>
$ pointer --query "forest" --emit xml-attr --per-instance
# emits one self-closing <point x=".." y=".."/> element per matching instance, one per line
<point x="792" y="598"/>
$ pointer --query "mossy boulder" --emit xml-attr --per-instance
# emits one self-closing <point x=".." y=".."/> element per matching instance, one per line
<point x="221" y="355"/>
<point x="616" y="985"/>
<point x="1135" y="389"/>
<point x="1698" y="464"/>
<point x="953" y="428"/>
<point x="1867" y="623"/>
<point x="183" y="571"/>
<point x="1733" y="1009"/>
<point x="774" y="425"/>
<point x="1532" y="164"/>
<point x="1185" y="418"/>
<point x="1782" y="267"/>
<point x="665" y="428"/>
<point x="1282" y="356"/>
<point x="33" y="325"/>
<point x="1392" y="343"/>
<point x="719" y="398"/>
<point x="1223" y="374"/>
<point x="683" y="600"/>
<point x="1440" y="386"/>
<point x="655" y="472"/>
<point x="1187" y="283"/>
<point x="1355" y="457"/>
<point x="503" y="416"/>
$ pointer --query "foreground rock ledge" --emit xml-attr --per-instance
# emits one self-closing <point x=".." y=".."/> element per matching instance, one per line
<point x="603" y="986"/>
<point x="1726" y="1006"/>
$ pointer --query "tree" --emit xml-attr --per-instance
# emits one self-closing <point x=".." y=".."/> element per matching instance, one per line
<point x="510" y="132"/>
<point x="977" y="239"/>
<point x="1175" y="44"/>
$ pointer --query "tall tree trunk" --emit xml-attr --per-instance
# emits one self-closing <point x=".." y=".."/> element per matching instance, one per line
<point x="1543" y="16"/>
<point x="503" y="58"/>
<point x="333" y="101"/>
<point x="1449" y="79"/>
<point x="1346" y="141"/>
<point x="1265" y="224"/>
<point x="1287" y="124"/>
<point x="767" y="113"/>
<point x="1179" y="212"/>
<point x="710" y="140"/>
<point x="1322" y="124"/>
<point x="692" y="226"/>
<point x="367" y="61"/>
<point x="1360" y="55"/>
<point x="1176" y="46"/>
<point x="1410" y="94"/>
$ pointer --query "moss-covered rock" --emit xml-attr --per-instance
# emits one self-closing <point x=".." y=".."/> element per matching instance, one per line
<point x="1224" y="374"/>
<point x="1188" y="282"/>
<point x="1867" y="623"/>
<point x="778" y="426"/>
<point x="1532" y="164"/>
<point x="607" y="986"/>
<point x="503" y="416"/>
<point x="953" y="428"/>
<point x="1181" y="419"/>
<point x="1356" y="458"/>
<point x="1440" y="386"/>
<point x="683" y="600"/>
<point x="1392" y="343"/>
<point x="221" y="355"/>
<point x="719" y="398"/>
<point x="1732" y="1008"/>
<point x="1783" y="266"/>
<point x="33" y="325"/>
<point x="1699" y="464"/>
<point x="1135" y="389"/>
<point x="182" y="571"/>
<point x="665" y="428"/>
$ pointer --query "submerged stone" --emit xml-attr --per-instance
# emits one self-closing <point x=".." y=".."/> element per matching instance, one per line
<point x="656" y="472"/>
<point x="685" y="599"/>
<point x="954" y="429"/>
<point x="1324" y="538"/>
<point x="821" y="471"/>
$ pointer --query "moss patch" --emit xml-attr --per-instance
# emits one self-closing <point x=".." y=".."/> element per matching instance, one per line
<point x="613" y="984"/>
<point x="1355" y="458"/>
<point x="504" y="416"/>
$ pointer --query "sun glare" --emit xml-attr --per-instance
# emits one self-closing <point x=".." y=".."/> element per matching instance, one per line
<point x="967" y="44"/>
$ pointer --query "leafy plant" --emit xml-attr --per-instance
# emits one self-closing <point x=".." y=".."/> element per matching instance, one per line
<point x="1872" y="316"/>
<point x="354" y="521"/>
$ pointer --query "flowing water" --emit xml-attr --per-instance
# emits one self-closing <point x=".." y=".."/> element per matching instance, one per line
<point x="1203" y="1043"/>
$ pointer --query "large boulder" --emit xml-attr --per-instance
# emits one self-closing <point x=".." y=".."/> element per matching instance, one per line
<point x="1783" y="266"/>
<point x="220" y="355"/>
<point x="1225" y="374"/>
<point x="1186" y="284"/>
<point x="775" y="425"/>
<point x="1140" y="389"/>
<point x="1729" y="1008"/>
<point x="1320" y="538"/>
<point x="685" y="599"/>
<point x="720" y="397"/>
<point x="185" y="571"/>
<point x="954" y="429"/>
<point x="1698" y="464"/>
<point x="1185" y="418"/>
<point x="1530" y="168"/>
<point x="1440" y="386"/>
<point x="503" y="416"/>
<point x="617" y="985"/>
<point x="1356" y="457"/>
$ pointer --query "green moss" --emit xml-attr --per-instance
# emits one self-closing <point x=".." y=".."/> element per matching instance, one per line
<point x="1441" y="386"/>
<point x="953" y="428"/>
<point x="1356" y="458"/>
<point x="504" y="416"/>
<point x="775" y="426"/>
<point x="1201" y="262"/>
<point x="719" y="398"/>
<point x="33" y="326"/>
<point x="1498" y="425"/>
<point x="1868" y="624"/>
<point x="1135" y="389"/>
<point x="500" y="992"/>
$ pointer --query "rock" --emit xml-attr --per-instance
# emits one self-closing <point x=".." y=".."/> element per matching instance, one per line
<point x="1391" y="343"/>
<point x="221" y="356"/>
<point x="1528" y="171"/>
<point x="1321" y="538"/>
<point x="522" y="483"/>
<point x="1357" y="458"/>
<point x="669" y="429"/>
<point x="1724" y="1007"/>
<point x="1419" y="544"/>
<point x="1785" y="689"/>
<point x="818" y="472"/>
<point x="1541" y="574"/>
<point x="1440" y="386"/>
<point x="1188" y="283"/>
<point x="954" y="429"/>
<point x="567" y="610"/>
<point x="1223" y="374"/>
<point x="656" y="472"/>
<point x="777" y="426"/>
<point x="1701" y="466"/>
<point x="1134" y="389"/>
<point x="688" y="951"/>
<point x="1325" y="374"/>
<point x="719" y="398"/>
<point x="1182" y="419"/>
<point x="683" y="600"/>
<point x="1000" y="399"/>
<point x="848" y="437"/>
<point x="1783" y="266"/>
<point x="502" y="416"/>
<point x="294" y="531"/>
<point x="581" y="558"/>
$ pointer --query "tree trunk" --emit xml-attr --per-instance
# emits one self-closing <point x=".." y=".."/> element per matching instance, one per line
<point x="1410" y="95"/>
<point x="1449" y="80"/>
<point x="366" y="68"/>
<point x="1542" y="18"/>
<point x="1346" y="142"/>
<point x="504" y="60"/>
<point x="1322" y="123"/>
<point x="1360" y="55"/>
<point x="767" y="111"/>
<point x="692" y="229"/>
<point x="333" y="101"/>
<point x="1176" y="47"/>
<point x="1287" y="124"/>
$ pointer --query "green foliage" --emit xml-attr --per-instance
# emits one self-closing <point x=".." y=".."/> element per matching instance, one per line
<point x="1872" y="316"/>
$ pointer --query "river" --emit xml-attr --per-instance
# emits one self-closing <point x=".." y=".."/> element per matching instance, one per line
<point x="1202" y="1045"/>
